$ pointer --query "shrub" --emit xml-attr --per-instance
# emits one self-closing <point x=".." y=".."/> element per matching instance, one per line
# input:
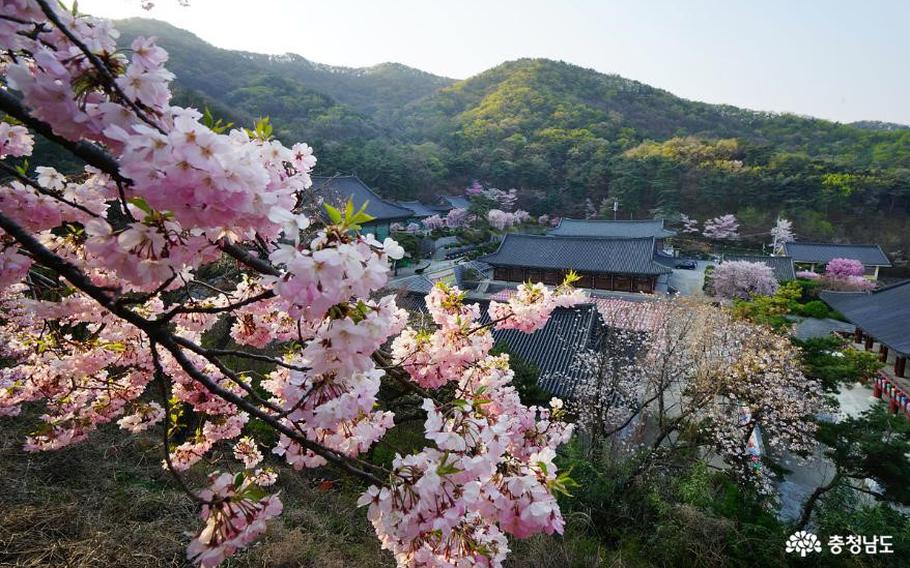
<point x="815" y="309"/>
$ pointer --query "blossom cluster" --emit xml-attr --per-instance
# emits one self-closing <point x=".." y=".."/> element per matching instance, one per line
<point x="491" y="471"/>
<point x="842" y="274"/>
<point x="235" y="514"/>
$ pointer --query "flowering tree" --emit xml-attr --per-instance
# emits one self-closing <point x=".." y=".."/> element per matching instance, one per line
<point x="693" y="374"/>
<point x="456" y="218"/>
<point x="808" y="275"/>
<point x="105" y="308"/>
<point x="492" y="196"/>
<point x="723" y="228"/>
<point x="474" y="189"/>
<point x="742" y="279"/>
<point x="501" y="220"/>
<point x="781" y="232"/>
<point x="543" y="219"/>
<point x="689" y="224"/>
<point x="844" y="268"/>
<point x="846" y="274"/>
<point x="434" y="222"/>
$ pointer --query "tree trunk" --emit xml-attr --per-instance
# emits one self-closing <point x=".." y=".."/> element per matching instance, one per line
<point x="813" y="500"/>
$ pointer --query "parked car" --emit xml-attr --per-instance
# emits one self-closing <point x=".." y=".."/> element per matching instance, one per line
<point x="687" y="264"/>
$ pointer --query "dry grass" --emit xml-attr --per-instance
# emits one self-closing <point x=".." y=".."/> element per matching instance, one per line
<point x="107" y="502"/>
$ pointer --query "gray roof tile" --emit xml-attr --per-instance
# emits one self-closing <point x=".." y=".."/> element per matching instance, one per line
<point x="419" y="209"/>
<point x="338" y="189"/>
<point x="584" y="254"/>
<point x="609" y="228"/>
<point x="822" y="253"/>
<point x="883" y="314"/>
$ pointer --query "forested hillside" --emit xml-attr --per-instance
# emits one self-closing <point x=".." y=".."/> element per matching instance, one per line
<point x="562" y="135"/>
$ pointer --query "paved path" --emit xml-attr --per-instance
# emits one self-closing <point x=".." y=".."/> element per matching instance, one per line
<point x="807" y="328"/>
<point x="807" y="474"/>
<point x="690" y="282"/>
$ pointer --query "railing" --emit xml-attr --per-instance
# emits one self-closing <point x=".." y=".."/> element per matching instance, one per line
<point x="898" y="399"/>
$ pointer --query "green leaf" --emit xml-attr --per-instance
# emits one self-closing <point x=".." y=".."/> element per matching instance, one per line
<point x="141" y="204"/>
<point x="263" y="129"/>
<point x="334" y="214"/>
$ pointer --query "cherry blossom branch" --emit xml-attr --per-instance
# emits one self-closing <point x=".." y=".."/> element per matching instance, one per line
<point x="166" y="404"/>
<point x="95" y="156"/>
<point x="90" y="153"/>
<point x="31" y="183"/>
<point x="97" y="64"/>
<point x="181" y="309"/>
<point x="243" y="256"/>
<point x="339" y="460"/>
<point x="158" y="332"/>
<point x="210" y="353"/>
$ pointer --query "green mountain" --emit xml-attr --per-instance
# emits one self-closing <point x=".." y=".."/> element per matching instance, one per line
<point x="564" y="136"/>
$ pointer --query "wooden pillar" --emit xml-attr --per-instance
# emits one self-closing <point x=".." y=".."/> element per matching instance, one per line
<point x="900" y="366"/>
<point x="869" y="342"/>
<point x="883" y="352"/>
<point x="858" y="335"/>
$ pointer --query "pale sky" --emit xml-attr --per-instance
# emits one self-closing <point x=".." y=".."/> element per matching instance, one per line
<point x="836" y="59"/>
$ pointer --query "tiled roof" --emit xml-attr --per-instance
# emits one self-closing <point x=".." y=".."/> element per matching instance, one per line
<point x="609" y="228"/>
<point x="883" y="314"/>
<point x="467" y="271"/>
<point x="584" y="254"/>
<point x="418" y="209"/>
<point x="457" y="202"/>
<point x="782" y="265"/>
<point x="554" y="349"/>
<point x="870" y="255"/>
<point x="413" y="283"/>
<point x="338" y="189"/>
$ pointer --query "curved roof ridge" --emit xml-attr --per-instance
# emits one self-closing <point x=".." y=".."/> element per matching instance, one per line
<point x="661" y="221"/>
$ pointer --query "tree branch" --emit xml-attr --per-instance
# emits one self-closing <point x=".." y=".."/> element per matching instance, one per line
<point x="89" y="153"/>
<point x="158" y="332"/>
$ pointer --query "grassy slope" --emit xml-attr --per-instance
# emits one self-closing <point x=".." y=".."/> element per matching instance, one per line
<point x="107" y="503"/>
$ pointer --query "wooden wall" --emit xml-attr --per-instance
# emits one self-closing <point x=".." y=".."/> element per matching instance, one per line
<point x="617" y="282"/>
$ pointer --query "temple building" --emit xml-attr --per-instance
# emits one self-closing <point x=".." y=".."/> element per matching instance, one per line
<point x="621" y="264"/>
<point x="336" y="190"/>
<point x="606" y="228"/>
<point x="418" y="209"/>
<point x="882" y="316"/>
<point x="814" y="256"/>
